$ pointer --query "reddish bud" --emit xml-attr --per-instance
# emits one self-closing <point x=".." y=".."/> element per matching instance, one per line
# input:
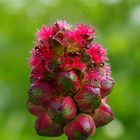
<point x="107" y="86"/>
<point x="67" y="81"/>
<point x="80" y="128"/>
<point x="69" y="108"/>
<point x="103" y="115"/>
<point x="41" y="93"/>
<point x="46" y="127"/>
<point x="34" y="108"/>
<point x="88" y="98"/>
<point x="62" y="108"/>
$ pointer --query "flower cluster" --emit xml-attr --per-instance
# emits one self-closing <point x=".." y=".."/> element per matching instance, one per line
<point x="70" y="82"/>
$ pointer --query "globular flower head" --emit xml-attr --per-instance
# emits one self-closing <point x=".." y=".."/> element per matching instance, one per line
<point x="70" y="82"/>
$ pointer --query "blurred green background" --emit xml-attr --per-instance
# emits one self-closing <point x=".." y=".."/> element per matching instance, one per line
<point x="118" y="29"/>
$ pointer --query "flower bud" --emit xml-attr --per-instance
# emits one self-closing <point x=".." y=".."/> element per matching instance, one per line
<point x="88" y="98"/>
<point x="41" y="93"/>
<point x="46" y="127"/>
<point x="62" y="108"/>
<point x="67" y="81"/>
<point x="34" y="108"/>
<point x="102" y="115"/>
<point x="107" y="86"/>
<point x="69" y="108"/>
<point x="80" y="128"/>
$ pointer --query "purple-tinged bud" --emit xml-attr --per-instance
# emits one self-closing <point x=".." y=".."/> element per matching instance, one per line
<point x="35" y="109"/>
<point x="46" y="127"/>
<point x="88" y="99"/>
<point x="69" y="108"/>
<point x="107" y="86"/>
<point x="80" y="128"/>
<point x="67" y="81"/>
<point x="62" y="108"/>
<point x="102" y="115"/>
<point x="41" y="93"/>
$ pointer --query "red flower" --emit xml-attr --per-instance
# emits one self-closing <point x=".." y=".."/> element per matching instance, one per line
<point x="37" y="72"/>
<point x="84" y="32"/>
<point x="97" y="53"/>
<point x="40" y="54"/>
<point x="44" y="33"/>
<point x="80" y="37"/>
<point x="93" y="77"/>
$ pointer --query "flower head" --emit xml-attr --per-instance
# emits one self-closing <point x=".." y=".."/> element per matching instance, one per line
<point x="70" y="82"/>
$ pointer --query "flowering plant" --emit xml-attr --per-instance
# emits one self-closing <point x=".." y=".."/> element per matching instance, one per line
<point x="70" y="82"/>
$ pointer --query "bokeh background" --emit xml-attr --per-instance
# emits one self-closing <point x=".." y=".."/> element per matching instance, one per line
<point x="118" y="29"/>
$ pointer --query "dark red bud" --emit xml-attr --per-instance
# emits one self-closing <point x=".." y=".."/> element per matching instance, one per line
<point x="107" y="86"/>
<point x="62" y="108"/>
<point x="67" y="81"/>
<point x="69" y="108"/>
<point x="88" y="99"/>
<point x="46" y="127"/>
<point x="41" y="93"/>
<point x="34" y="108"/>
<point x="81" y="128"/>
<point x="103" y="115"/>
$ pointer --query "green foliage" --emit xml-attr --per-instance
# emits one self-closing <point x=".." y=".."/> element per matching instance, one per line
<point x="118" y="29"/>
